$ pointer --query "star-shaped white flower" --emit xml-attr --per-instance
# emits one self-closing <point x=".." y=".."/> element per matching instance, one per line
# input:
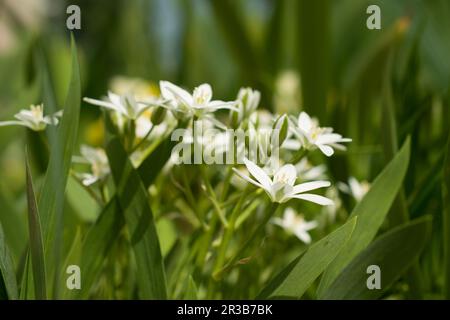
<point x="355" y="188"/>
<point x="33" y="118"/>
<point x="197" y="104"/>
<point x="296" y="224"/>
<point x="312" y="136"/>
<point x="125" y="105"/>
<point x="97" y="159"/>
<point x="247" y="102"/>
<point x="281" y="188"/>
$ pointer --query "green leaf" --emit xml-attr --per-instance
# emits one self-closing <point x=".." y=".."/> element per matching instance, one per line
<point x="446" y="220"/>
<point x="98" y="243"/>
<point x="394" y="252"/>
<point x="191" y="291"/>
<point x="301" y="273"/>
<point x="35" y="242"/>
<point x="51" y="201"/>
<point x="133" y="200"/>
<point x="103" y="233"/>
<point x="371" y="212"/>
<point x="7" y="275"/>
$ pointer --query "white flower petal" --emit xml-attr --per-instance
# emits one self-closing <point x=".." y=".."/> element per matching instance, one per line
<point x="104" y="104"/>
<point x="247" y="178"/>
<point x="305" y="122"/>
<point x="12" y="123"/>
<point x="313" y="198"/>
<point x="303" y="236"/>
<point x="286" y="174"/>
<point x="171" y="91"/>
<point x="259" y="174"/>
<point x="202" y="93"/>
<point x="326" y="150"/>
<point x="308" y="186"/>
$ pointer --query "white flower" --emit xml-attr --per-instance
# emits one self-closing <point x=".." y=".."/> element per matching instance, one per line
<point x="97" y="159"/>
<point x="33" y="118"/>
<point x="355" y="188"/>
<point x="312" y="136"/>
<point x="309" y="172"/>
<point x="247" y="102"/>
<point x="197" y="104"/>
<point x="281" y="188"/>
<point x="296" y="224"/>
<point x="125" y="105"/>
<point x="331" y="211"/>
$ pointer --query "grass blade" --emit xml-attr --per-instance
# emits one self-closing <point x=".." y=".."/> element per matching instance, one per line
<point x="103" y="233"/>
<point x="97" y="243"/>
<point x="371" y="212"/>
<point x="191" y="290"/>
<point x="7" y="275"/>
<point x="35" y="236"/>
<point x="133" y="200"/>
<point x="52" y="196"/>
<point x="394" y="252"/>
<point x="301" y="273"/>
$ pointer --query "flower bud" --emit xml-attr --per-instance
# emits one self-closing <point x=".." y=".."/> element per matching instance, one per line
<point x="280" y="130"/>
<point x="158" y="115"/>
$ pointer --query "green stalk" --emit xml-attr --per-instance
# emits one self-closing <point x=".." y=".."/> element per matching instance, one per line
<point x="241" y="251"/>
<point x="229" y="232"/>
<point x="212" y="196"/>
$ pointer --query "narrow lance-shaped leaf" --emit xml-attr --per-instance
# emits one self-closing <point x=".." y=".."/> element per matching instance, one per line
<point x="103" y="233"/>
<point x="393" y="253"/>
<point x="51" y="201"/>
<point x="35" y="239"/>
<point x="301" y="273"/>
<point x="98" y="243"/>
<point x="7" y="276"/>
<point x="191" y="290"/>
<point x="133" y="201"/>
<point x="371" y="212"/>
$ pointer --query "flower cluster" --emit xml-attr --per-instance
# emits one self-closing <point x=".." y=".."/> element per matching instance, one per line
<point x="293" y="136"/>
<point x="284" y="172"/>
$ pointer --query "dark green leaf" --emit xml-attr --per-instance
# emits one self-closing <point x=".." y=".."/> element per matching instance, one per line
<point x="301" y="273"/>
<point x="371" y="212"/>
<point x="7" y="275"/>
<point x="133" y="201"/>
<point x="393" y="253"/>
<point x="35" y="240"/>
<point x="98" y="243"/>
<point x="51" y="201"/>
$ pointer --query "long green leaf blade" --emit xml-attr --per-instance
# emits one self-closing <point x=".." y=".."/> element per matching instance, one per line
<point x="103" y="233"/>
<point x="139" y="220"/>
<point x="36" y="242"/>
<point x="302" y="272"/>
<point x="7" y="275"/>
<point x="371" y="212"/>
<point x="52" y="196"/>
<point x="394" y="252"/>
<point x="97" y="243"/>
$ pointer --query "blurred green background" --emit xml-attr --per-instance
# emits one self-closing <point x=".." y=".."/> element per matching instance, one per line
<point x="308" y="55"/>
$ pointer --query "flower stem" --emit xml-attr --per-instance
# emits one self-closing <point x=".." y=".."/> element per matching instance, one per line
<point x="229" y="232"/>
<point x="270" y="211"/>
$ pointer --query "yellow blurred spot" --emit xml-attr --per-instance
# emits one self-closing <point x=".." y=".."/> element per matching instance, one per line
<point x="95" y="133"/>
